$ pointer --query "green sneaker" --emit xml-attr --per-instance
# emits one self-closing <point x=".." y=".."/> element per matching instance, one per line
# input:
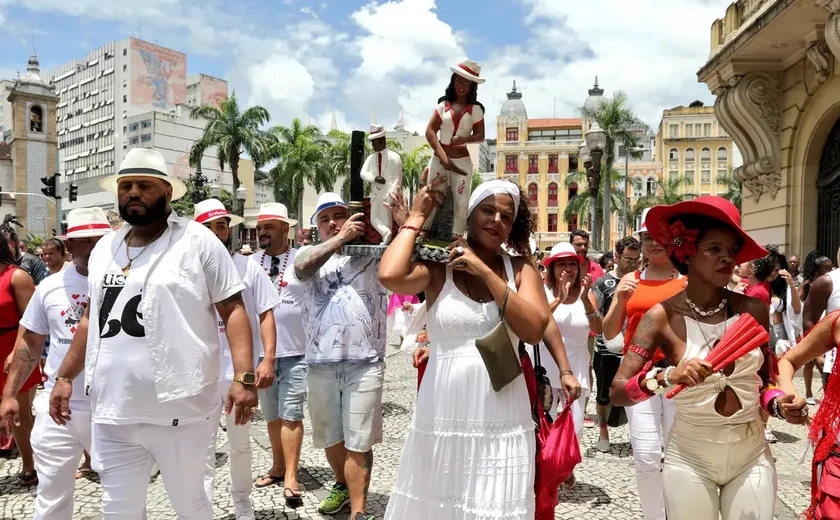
<point x="363" y="516"/>
<point x="338" y="500"/>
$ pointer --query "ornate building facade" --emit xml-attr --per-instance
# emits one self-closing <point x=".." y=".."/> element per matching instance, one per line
<point x="773" y="68"/>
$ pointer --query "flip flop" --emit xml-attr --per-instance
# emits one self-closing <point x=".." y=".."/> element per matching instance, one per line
<point x="28" y="477"/>
<point x="83" y="472"/>
<point x="272" y="480"/>
<point x="294" y="498"/>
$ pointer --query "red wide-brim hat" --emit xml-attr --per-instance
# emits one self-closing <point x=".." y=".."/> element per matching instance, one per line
<point x="717" y="208"/>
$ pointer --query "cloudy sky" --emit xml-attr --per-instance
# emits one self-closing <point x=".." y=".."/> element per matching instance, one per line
<point x="308" y="58"/>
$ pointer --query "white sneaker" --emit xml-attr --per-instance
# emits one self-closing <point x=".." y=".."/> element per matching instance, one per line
<point x="243" y="510"/>
<point x="603" y="445"/>
<point x="811" y="401"/>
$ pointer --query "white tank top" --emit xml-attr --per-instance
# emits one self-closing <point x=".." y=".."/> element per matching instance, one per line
<point x="834" y="298"/>
<point x="574" y="328"/>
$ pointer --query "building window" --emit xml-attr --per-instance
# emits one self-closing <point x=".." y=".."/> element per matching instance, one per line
<point x="707" y="129"/>
<point x="705" y="155"/>
<point x="673" y="131"/>
<point x="125" y="51"/>
<point x="689" y="174"/>
<point x="721" y="177"/>
<point x="125" y="98"/>
<point x="651" y="186"/>
<point x="723" y="154"/>
<point x="510" y="164"/>
<point x="533" y="194"/>
<point x="572" y="223"/>
<point x="572" y="193"/>
<point x="698" y="129"/>
<point x="512" y="134"/>
<point x="146" y="124"/>
<point x="552" y="223"/>
<point x="674" y="154"/>
<point x="533" y="164"/>
<point x="132" y="127"/>
<point x="125" y="130"/>
<point x="689" y="130"/>
<point x="689" y="155"/>
<point x="145" y="138"/>
<point x="125" y="68"/>
<point x="573" y="163"/>
<point x="553" y="163"/>
<point x="36" y="119"/>
<point x="673" y="175"/>
<point x="133" y="140"/>
<point x="637" y="188"/>
<point x="705" y="176"/>
<point x="552" y="195"/>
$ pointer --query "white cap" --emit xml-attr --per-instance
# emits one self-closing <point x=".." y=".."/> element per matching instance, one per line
<point x="327" y="200"/>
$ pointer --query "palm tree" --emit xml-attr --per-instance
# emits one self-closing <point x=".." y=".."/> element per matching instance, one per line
<point x="621" y="125"/>
<point x="581" y="204"/>
<point x="413" y="165"/>
<point x="733" y="188"/>
<point x="476" y="180"/>
<point x="299" y="151"/>
<point x="234" y="132"/>
<point x="667" y="192"/>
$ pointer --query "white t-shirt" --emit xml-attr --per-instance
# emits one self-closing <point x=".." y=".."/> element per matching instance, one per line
<point x="123" y="385"/>
<point x="259" y="296"/>
<point x="291" y="337"/>
<point x="55" y="309"/>
<point x="345" y="312"/>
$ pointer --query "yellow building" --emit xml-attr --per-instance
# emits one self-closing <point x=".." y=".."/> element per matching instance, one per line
<point x="774" y="69"/>
<point x="538" y="154"/>
<point x="691" y="143"/>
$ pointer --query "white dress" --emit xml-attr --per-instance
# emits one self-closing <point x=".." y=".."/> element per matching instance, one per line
<point x="470" y="451"/>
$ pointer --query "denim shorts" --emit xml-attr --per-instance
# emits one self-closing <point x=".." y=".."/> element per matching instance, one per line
<point x="345" y="404"/>
<point x="285" y="397"/>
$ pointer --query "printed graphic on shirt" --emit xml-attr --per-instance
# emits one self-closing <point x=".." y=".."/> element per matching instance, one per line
<point x="73" y="314"/>
<point x="111" y="320"/>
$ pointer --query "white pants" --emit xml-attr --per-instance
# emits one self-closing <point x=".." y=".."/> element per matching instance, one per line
<point x="124" y="455"/>
<point x="239" y="440"/>
<point x="459" y="185"/>
<point x="650" y="422"/>
<point x="58" y="450"/>
<point x="381" y="217"/>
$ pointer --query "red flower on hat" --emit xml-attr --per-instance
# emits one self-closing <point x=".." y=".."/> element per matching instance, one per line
<point x="679" y="241"/>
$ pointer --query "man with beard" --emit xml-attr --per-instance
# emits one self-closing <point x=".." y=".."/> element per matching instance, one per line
<point x="149" y="344"/>
<point x="260" y="298"/>
<point x="33" y="265"/>
<point x="55" y="311"/>
<point x="344" y="311"/>
<point x="282" y="403"/>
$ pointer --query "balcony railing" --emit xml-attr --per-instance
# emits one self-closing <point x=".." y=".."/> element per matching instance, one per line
<point x="541" y="144"/>
<point x="547" y="239"/>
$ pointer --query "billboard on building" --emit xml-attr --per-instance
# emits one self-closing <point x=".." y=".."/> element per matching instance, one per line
<point x="213" y="90"/>
<point x="158" y="76"/>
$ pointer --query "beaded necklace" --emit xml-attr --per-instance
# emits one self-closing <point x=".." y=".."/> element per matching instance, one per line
<point x="282" y="274"/>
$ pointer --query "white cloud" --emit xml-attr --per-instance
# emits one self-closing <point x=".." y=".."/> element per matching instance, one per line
<point x="280" y="82"/>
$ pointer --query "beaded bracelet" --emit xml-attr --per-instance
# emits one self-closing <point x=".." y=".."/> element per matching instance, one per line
<point x="593" y="315"/>
<point x="566" y="372"/>
<point x="668" y="382"/>
<point x="412" y="228"/>
<point x="777" y="408"/>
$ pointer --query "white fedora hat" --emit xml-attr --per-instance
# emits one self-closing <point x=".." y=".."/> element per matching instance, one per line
<point x="468" y="69"/>
<point x="376" y="131"/>
<point x="274" y="211"/>
<point x="213" y="209"/>
<point x="643" y="229"/>
<point x="87" y="222"/>
<point x="143" y="162"/>
<point x="327" y="200"/>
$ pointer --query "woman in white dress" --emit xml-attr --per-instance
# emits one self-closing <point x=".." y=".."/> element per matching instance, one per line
<point x="470" y="451"/>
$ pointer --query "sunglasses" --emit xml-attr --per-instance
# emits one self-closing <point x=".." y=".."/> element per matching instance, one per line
<point x="275" y="267"/>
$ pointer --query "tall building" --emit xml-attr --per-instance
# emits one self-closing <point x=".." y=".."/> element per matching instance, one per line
<point x="538" y="154"/>
<point x="487" y="156"/>
<point x="5" y="111"/>
<point x="773" y="68"/>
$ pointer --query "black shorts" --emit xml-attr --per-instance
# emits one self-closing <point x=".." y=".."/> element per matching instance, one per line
<point x="606" y="365"/>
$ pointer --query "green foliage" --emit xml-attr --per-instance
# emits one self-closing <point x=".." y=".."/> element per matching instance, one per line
<point x="185" y="207"/>
<point x="33" y="242"/>
<point x="667" y="192"/>
<point x="476" y="180"/>
<point x="581" y="204"/>
<point x="733" y="188"/>
<point x="413" y="165"/>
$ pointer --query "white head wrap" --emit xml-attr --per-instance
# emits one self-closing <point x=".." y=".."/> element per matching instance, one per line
<point x="493" y="187"/>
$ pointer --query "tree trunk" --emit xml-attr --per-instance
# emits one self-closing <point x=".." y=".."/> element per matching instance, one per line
<point x="234" y="202"/>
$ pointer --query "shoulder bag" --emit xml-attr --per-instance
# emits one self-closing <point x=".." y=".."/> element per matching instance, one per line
<point x="498" y="352"/>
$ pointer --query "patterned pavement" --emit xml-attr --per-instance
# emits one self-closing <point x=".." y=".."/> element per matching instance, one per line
<point x="605" y="489"/>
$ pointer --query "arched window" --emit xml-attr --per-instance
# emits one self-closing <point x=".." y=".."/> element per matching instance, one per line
<point x="705" y="154"/>
<point x="36" y="119"/>
<point x="650" y="185"/>
<point x="552" y="195"/>
<point x="533" y="194"/>
<point x="638" y="189"/>
<point x="689" y="155"/>
<point x="674" y="154"/>
<point x="723" y="154"/>
<point x="573" y="190"/>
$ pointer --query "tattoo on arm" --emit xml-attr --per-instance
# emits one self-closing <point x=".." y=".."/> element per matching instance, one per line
<point x="25" y="361"/>
<point x="310" y="260"/>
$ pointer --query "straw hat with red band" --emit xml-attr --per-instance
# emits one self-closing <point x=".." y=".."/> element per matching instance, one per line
<point x="661" y="223"/>
<point x="213" y="209"/>
<point x="86" y="223"/>
<point x="468" y="69"/>
<point x="561" y="250"/>
<point x="274" y="211"/>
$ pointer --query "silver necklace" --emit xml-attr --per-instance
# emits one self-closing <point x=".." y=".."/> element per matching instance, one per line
<point x="701" y="312"/>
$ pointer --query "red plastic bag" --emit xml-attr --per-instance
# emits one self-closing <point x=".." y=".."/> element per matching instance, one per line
<point x="558" y="456"/>
<point x="7" y="441"/>
<point x="421" y="370"/>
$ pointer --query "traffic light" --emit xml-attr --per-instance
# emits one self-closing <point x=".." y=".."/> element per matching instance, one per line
<point x="74" y="192"/>
<point x="49" y="182"/>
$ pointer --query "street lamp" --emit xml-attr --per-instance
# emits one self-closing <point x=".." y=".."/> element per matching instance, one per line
<point x="627" y="151"/>
<point x="241" y="195"/>
<point x="215" y="190"/>
<point x="596" y="140"/>
<point x="198" y="183"/>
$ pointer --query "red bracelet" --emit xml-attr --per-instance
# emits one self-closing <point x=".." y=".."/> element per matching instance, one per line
<point x="639" y="350"/>
<point x="416" y="230"/>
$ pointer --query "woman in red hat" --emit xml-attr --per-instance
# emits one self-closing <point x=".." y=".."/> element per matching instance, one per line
<point x="717" y="462"/>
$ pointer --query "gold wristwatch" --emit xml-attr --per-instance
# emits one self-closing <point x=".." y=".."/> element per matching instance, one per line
<point x="247" y="378"/>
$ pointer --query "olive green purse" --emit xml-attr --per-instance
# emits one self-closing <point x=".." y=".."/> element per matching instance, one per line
<point x="499" y="353"/>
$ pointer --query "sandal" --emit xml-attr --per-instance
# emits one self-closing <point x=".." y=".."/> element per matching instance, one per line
<point x="268" y="480"/>
<point x="83" y="472"/>
<point x="28" y="477"/>
<point x="570" y="482"/>
<point x="294" y="498"/>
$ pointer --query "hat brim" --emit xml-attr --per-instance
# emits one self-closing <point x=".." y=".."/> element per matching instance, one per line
<point x="290" y="221"/>
<point x="86" y="233"/>
<point x="314" y="219"/>
<point x="547" y="261"/>
<point x="179" y="189"/>
<point x="466" y="75"/>
<point x="235" y="220"/>
<point x="750" y="250"/>
<point x="642" y="229"/>
<point x="377" y="135"/>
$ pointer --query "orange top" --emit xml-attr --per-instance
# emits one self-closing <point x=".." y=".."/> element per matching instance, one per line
<point x="647" y="294"/>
